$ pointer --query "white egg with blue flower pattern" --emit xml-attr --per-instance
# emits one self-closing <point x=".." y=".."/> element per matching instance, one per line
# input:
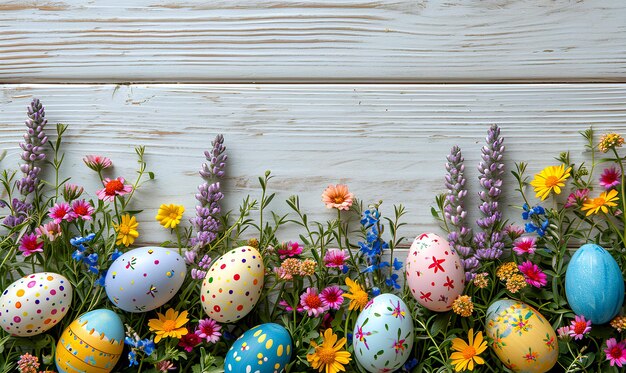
<point x="266" y="348"/>
<point x="145" y="278"/>
<point x="383" y="334"/>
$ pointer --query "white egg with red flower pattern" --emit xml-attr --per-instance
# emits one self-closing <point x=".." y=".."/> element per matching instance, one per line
<point x="233" y="284"/>
<point x="34" y="303"/>
<point x="434" y="272"/>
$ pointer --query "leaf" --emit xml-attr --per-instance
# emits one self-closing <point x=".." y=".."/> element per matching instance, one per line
<point x="439" y="324"/>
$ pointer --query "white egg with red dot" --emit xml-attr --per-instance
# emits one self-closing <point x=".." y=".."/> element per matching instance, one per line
<point x="35" y="303"/>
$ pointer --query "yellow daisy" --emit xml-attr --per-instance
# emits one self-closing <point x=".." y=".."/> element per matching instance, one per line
<point x="168" y="325"/>
<point x="550" y="179"/>
<point x="169" y="215"/>
<point x="327" y="357"/>
<point x="357" y="295"/>
<point x="466" y="354"/>
<point x="602" y="202"/>
<point x="126" y="230"/>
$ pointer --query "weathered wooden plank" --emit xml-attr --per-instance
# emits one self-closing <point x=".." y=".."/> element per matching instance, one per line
<point x="385" y="141"/>
<point x="321" y="41"/>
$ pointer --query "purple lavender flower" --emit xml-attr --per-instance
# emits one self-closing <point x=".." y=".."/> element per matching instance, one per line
<point x="454" y="210"/>
<point x="33" y="147"/>
<point x="206" y="222"/>
<point x="490" y="242"/>
<point x="19" y="212"/>
<point x="216" y="158"/>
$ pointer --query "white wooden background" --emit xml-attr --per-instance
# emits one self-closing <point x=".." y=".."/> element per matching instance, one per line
<point x="369" y="93"/>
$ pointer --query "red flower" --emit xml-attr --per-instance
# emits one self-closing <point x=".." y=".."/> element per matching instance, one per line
<point x="189" y="341"/>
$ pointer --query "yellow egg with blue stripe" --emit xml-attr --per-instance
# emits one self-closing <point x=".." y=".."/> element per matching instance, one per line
<point x="92" y="343"/>
<point x="266" y="348"/>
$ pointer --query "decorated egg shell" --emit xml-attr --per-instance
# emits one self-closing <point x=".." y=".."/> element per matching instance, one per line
<point x="522" y="338"/>
<point x="594" y="285"/>
<point x="266" y="348"/>
<point x="383" y="334"/>
<point x="92" y="343"/>
<point x="145" y="278"/>
<point x="233" y="284"/>
<point x="434" y="272"/>
<point x="34" y="303"/>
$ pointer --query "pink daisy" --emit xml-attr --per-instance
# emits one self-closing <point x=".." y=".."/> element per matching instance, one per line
<point x="289" y="249"/>
<point x="312" y="303"/>
<point x="30" y="244"/>
<point x="61" y="211"/>
<point x="72" y="191"/>
<point x="82" y="209"/>
<point x="335" y="258"/>
<point x="50" y="230"/>
<point x="514" y="231"/>
<point x="332" y="297"/>
<point x="563" y="332"/>
<point x="610" y="178"/>
<point x="113" y="188"/>
<point x="524" y="245"/>
<point x="189" y="341"/>
<point x="615" y="352"/>
<point x="97" y="162"/>
<point x="209" y="329"/>
<point x="577" y="198"/>
<point x="579" y="327"/>
<point x="533" y="274"/>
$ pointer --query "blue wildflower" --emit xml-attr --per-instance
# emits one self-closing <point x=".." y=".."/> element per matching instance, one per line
<point x="409" y="365"/>
<point x="101" y="279"/>
<point x="393" y="281"/>
<point x="147" y="345"/>
<point x="370" y="217"/>
<point x="132" y="358"/>
<point x="375" y="291"/>
<point x="78" y="255"/>
<point x="397" y="264"/>
<point x="116" y="254"/>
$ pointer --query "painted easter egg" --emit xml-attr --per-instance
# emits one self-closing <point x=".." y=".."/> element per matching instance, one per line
<point x="233" y="284"/>
<point x="145" y="278"/>
<point x="266" y="348"/>
<point x="383" y="334"/>
<point x="34" y="303"/>
<point x="434" y="272"/>
<point x="594" y="285"/>
<point x="92" y="343"/>
<point x="522" y="338"/>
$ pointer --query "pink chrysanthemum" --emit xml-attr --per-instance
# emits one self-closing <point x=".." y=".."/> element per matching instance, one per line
<point x="209" y="330"/>
<point x="579" y="327"/>
<point x="82" y="209"/>
<point x="60" y="211"/>
<point x="524" y="245"/>
<point x="337" y="196"/>
<point x="577" y="198"/>
<point x="97" y="162"/>
<point x="30" y="244"/>
<point x="610" y="178"/>
<point x="50" y="230"/>
<point x="332" y="297"/>
<point x="533" y="274"/>
<point x="189" y="341"/>
<point x="312" y="303"/>
<point x="335" y="258"/>
<point x="563" y="332"/>
<point x="615" y="352"/>
<point x="113" y="188"/>
<point x="289" y="249"/>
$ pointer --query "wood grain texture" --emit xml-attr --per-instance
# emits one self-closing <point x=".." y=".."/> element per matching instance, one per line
<point x="386" y="142"/>
<point x="322" y="41"/>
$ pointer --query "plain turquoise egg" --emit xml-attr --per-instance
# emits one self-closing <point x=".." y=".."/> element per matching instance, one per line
<point x="266" y="348"/>
<point x="594" y="285"/>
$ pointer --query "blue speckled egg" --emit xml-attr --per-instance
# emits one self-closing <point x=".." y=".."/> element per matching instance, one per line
<point x="93" y="342"/>
<point x="145" y="278"/>
<point x="266" y="348"/>
<point x="383" y="334"/>
<point x="594" y="285"/>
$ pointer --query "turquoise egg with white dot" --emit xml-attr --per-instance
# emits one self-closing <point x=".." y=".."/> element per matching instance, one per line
<point x="266" y="348"/>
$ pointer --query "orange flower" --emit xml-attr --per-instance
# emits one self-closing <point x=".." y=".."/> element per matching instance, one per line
<point x="337" y="196"/>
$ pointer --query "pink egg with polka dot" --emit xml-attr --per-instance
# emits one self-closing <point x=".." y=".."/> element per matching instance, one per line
<point x="34" y="303"/>
<point x="145" y="278"/>
<point x="233" y="284"/>
<point x="434" y="272"/>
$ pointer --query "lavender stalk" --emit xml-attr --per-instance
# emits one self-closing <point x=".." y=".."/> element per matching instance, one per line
<point x="206" y="222"/>
<point x="33" y="147"/>
<point x="460" y="237"/>
<point x="490" y="241"/>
